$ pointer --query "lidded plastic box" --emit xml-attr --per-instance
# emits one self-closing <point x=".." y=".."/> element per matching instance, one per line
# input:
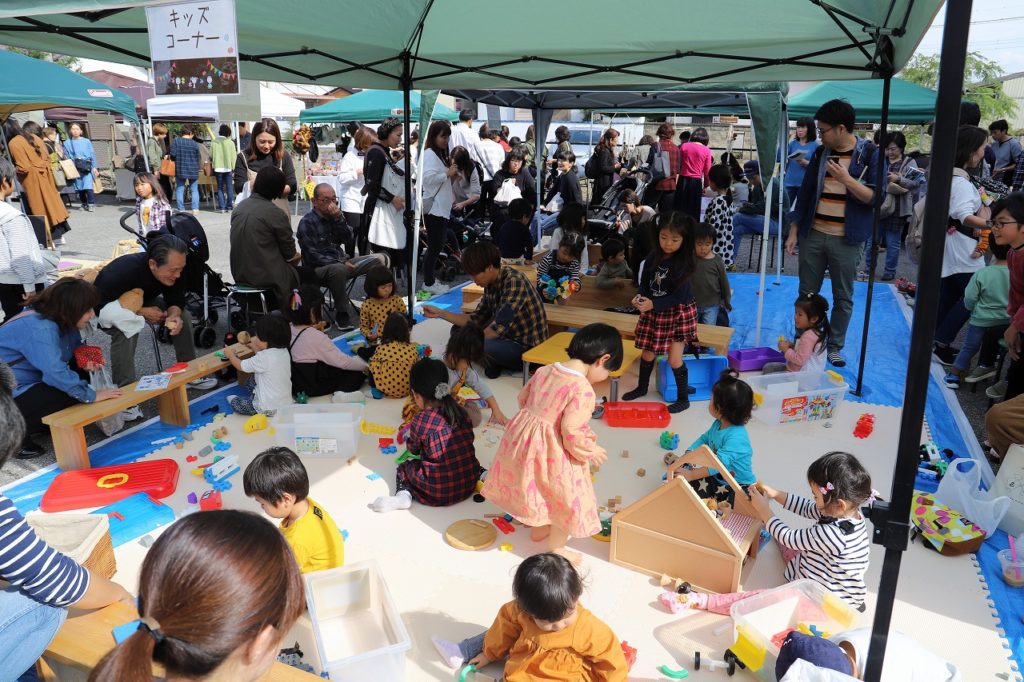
<point x="797" y="396"/>
<point x="359" y="633"/>
<point x="320" y="430"/>
<point x="800" y="605"/>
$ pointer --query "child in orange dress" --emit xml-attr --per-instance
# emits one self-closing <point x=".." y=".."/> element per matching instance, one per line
<point x="541" y="472"/>
<point x="545" y="633"/>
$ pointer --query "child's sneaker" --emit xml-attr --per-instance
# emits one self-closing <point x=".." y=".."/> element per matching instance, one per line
<point x="952" y="380"/>
<point x="677" y="603"/>
<point x="449" y="652"/>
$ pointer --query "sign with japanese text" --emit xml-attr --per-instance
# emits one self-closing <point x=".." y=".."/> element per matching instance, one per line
<point x="194" y="47"/>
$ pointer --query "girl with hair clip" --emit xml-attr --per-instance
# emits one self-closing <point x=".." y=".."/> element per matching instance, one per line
<point x="442" y="468"/>
<point x="541" y="471"/>
<point x="544" y="629"/>
<point x="833" y="552"/>
<point x="218" y="592"/>
<point x="318" y="366"/>
<point x="390" y="364"/>
<point x="465" y="347"/>
<point x="668" y="312"/>
<point x="563" y="260"/>
<point x="152" y="209"/>
<point x="807" y="352"/>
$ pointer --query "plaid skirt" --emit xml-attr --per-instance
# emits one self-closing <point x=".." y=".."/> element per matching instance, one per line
<point x="657" y="331"/>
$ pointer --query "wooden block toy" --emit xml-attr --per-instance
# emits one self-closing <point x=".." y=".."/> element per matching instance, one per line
<point x="471" y="535"/>
<point x="625" y="454"/>
<point x="641" y="472"/>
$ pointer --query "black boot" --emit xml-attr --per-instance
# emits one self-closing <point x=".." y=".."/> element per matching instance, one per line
<point x="29" y="450"/>
<point x="646" y="367"/>
<point x="682" y="389"/>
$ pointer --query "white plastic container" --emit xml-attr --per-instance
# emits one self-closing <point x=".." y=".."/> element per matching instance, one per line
<point x="320" y="430"/>
<point x="800" y="603"/>
<point x="797" y="396"/>
<point x="359" y="633"/>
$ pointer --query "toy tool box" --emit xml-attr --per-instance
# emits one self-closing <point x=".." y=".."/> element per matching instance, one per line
<point x="800" y="605"/>
<point x="703" y="373"/>
<point x="637" y="415"/>
<point x="797" y="396"/>
<point x="753" y="359"/>
<point x="320" y="430"/>
<point x="134" y="516"/>
<point x="359" y="633"/>
<point x="85" y="488"/>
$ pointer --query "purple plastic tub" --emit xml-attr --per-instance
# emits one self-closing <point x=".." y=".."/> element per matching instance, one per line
<point x="753" y="359"/>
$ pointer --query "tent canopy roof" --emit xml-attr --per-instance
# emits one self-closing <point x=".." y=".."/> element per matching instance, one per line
<point x="809" y="41"/>
<point x="908" y="102"/>
<point x="207" y="107"/>
<point x="30" y="84"/>
<point x="372" y="105"/>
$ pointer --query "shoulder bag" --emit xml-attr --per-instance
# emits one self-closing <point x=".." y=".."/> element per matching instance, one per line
<point x="83" y="166"/>
<point x="387" y="228"/>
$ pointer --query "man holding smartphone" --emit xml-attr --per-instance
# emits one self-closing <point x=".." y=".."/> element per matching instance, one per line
<point x="833" y="214"/>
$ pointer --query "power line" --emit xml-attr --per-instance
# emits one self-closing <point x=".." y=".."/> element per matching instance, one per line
<point x="983" y="21"/>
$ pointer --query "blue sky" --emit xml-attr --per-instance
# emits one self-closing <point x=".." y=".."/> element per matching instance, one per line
<point x="997" y="32"/>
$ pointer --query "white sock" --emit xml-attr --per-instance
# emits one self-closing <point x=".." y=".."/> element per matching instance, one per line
<point x="449" y="651"/>
<point x="386" y="503"/>
<point x="348" y="397"/>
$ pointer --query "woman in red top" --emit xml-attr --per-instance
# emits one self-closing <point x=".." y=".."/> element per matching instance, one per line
<point x="694" y="164"/>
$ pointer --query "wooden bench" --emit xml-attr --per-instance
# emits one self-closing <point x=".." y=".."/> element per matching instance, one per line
<point x="86" y="637"/>
<point x="67" y="427"/>
<point x="590" y="296"/>
<point x="563" y="317"/>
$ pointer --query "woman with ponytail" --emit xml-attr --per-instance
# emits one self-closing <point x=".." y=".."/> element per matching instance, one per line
<point x="41" y="583"/>
<point x="217" y="593"/>
<point x="441" y="468"/>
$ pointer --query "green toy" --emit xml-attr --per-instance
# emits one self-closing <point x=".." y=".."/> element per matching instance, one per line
<point x="668" y="672"/>
<point x="301" y="398"/>
<point x="405" y="456"/>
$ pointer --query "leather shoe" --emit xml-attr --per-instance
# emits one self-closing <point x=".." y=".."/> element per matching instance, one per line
<point x="30" y="450"/>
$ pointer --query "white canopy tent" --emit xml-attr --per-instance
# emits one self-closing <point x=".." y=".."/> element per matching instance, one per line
<point x="206" y="107"/>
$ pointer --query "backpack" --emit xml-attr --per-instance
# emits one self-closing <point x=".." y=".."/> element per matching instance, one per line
<point x="590" y="169"/>
<point x="945" y="530"/>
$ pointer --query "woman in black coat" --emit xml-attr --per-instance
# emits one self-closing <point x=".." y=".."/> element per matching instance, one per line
<point x="266" y="148"/>
<point x="377" y="159"/>
<point x="606" y="163"/>
<point x="514" y="169"/>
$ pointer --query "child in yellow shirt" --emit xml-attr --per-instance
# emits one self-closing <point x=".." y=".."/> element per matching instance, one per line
<point x="277" y="480"/>
<point x="380" y="302"/>
<point x="393" y="359"/>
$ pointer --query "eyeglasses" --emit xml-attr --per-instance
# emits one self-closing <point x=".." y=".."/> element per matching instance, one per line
<point x="822" y="131"/>
<point x="1000" y="224"/>
<point x="332" y="200"/>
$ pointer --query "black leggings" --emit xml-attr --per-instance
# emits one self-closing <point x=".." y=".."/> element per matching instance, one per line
<point x="437" y="232"/>
<point x="10" y="299"/>
<point x="39" y="401"/>
<point x="355" y="224"/>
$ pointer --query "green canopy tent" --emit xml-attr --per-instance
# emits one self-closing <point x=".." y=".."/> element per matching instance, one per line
<point x="32" y="84"/>
<point x="372" y="105"/>
<point x="908" y="102"/>
<point x="409" y="44"/>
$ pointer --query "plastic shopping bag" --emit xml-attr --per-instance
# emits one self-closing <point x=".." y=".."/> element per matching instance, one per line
<point x="99" y="379"/>
<point x="960" y="489"/>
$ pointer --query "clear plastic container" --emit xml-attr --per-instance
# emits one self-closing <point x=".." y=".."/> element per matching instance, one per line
<point x="320" y="430"/>
<point x="358" y="631"/>
<point x="1013" y="571"/>
<point x="797" y="396"/>
<point x="802" y="604"/>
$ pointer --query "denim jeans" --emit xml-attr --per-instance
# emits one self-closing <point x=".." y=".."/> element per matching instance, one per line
<point x="504" y="354"/>
<point x="708" y="315"/>
<point x="972" y="344"/>
<point x="743" y="223"/>
<point x="26" y="629"/>
<point x="179" y="193"/>
<point x="225" y="190"/>
<point x="819" y="252"/>
<point x="893" y="241"/>
<point x="539" y="227"/>
<point x="471" y="647"/>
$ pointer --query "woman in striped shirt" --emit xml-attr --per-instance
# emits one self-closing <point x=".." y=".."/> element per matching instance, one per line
<point x="43" y="582"/>
<point x="834" y="552"/>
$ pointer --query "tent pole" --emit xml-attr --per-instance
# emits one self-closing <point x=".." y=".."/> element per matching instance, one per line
<point x="764" y="257"/>
<point x="412" y="240"/>
<point x="891" y="520"/>
<point x="783" y="213"/>
<point x="142" y="149"/>
<point x="881" y="182"/>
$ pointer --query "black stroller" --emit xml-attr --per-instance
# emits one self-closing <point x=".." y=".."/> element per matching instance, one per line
<point x="202" y="283"/>
<point x="603" y="214"/>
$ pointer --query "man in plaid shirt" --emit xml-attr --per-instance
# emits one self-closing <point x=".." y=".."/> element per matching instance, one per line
<point x="511" y="311"/>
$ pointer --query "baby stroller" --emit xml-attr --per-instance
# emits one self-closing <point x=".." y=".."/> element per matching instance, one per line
<point x="201" y="282"/>
<point x="602" y="215"/>
<point x="449" y="261"/>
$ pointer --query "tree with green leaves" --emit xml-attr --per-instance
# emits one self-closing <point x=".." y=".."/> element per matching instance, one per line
<point x="62" y="59"/>
<point x="982" y="84"/>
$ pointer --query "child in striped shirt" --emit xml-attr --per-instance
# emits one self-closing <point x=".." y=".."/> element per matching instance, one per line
<point x="833" y="552"/>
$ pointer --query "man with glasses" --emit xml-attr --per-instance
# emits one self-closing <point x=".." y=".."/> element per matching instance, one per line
<point x="833" y="215"/>
<point x="322" y="234"/>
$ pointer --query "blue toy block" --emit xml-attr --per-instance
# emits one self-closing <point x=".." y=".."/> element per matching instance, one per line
<point x="344" y="534"/>
<point x="373" y="476"/>
<point x="221" y="486"/>
<point x="703" y="373"/>
<point x="134" y="516"/>
<point x="389" y="450"/>
<point x="222" y="446"/>
<point x="669" y="440"/>
<point x="377" y="395"/>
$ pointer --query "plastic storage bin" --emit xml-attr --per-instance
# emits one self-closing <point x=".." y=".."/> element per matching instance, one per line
<point x="797" y="396"/>
<point x="321" y="430"/>
<point x="359" y="634"/>
<point x="753" y="359"/>
<point x="802" y="604"/>
<point x="704" y="372"/>
<point x="637" y="415"/>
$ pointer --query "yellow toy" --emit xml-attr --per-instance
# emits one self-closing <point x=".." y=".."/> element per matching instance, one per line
<point x="367" y="428"/>
<point x="257" y="422"/>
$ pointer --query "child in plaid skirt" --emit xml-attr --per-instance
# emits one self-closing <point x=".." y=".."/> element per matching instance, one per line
<point x="668" y="312"/>
<point x="443" y="468"/>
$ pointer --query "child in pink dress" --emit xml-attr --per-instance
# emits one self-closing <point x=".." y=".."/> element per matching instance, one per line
<point x="541" y="472"/>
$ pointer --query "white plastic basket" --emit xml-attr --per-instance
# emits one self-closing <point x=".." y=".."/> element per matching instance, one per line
<point x="797" y="396"/>
<point x="320" y="430"/>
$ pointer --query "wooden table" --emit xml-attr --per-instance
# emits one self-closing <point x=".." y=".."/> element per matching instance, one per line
<point x="554" y="350"/>
<point x="67" y="427"/>
<point x="86" y="637"/>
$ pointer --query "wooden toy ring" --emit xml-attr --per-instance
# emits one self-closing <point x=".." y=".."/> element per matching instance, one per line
<point x="112" y="480"/>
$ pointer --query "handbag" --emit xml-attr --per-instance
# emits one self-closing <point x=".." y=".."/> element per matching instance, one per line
<point x="207" y="169"/>
<point x="387" y="227"/>
<point x="891" y="201"/>
<point x="508" y="192"/>
<point x="97" y="185"/>
<point x="70" y="171"/>
<point x="167" y="167"/>
<point x="84" y="166"/>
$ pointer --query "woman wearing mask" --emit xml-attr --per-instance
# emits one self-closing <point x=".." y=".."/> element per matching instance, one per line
<point x="79" y="149"/>
<point x="350" y="188"/>
<point x="438" y="173"/>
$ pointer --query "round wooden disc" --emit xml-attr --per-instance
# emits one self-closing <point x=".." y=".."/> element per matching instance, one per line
<point x="471" y="534"/>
